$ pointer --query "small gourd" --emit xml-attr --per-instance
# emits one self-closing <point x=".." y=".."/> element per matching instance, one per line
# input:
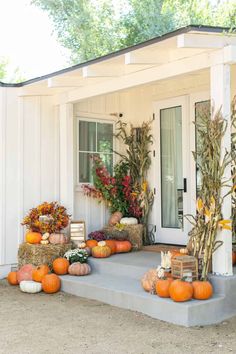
<point x="45" y="236"/>
<point x="129" y="221"/>
<point x="31" y="287"/>
<point x="44" y="242"/>
<point x="82" y="245"/>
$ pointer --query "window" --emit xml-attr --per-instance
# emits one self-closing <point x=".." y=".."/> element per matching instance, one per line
<point x="94" y="138"/>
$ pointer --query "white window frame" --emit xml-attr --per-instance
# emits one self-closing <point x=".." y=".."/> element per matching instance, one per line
<point x="95" y="120"/>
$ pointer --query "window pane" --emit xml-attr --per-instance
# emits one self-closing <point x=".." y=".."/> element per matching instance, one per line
<point x="87" y="136"/>
<point x="201" y="108"/>
<point x="104" y="137"/>
<point x="107" y="159"/>
<point x="171" y="167"/>
<point x="85" y="168"/>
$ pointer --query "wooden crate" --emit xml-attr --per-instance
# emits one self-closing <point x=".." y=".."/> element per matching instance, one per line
<point x="184" y="267"/>
<point x="77" y="232"/>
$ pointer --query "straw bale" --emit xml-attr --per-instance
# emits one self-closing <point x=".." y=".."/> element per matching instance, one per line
<point x="40" y="254"/>
<point x="134" y="234"/>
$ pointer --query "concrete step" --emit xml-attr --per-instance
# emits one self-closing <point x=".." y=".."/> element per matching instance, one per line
<point x="126" y="292"/>
<point x="132" y="265"/>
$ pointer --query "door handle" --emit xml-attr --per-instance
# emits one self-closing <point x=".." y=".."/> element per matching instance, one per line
<point x="185" y="185"/>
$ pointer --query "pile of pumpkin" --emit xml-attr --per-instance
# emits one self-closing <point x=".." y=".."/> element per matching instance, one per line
<point x="37" y="238"/>
<point x="106" y="248"/>
<point x="35" y="279"/>
<point x="178" y="290"/>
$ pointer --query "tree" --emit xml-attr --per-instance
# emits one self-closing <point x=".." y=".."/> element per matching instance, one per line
<point x="92" y="28"/>
<point x="9" y="75"/>
<point x="3" y="68"/>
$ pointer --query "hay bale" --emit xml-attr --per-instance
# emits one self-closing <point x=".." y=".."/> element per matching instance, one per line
<point x="134" y="234"/>
<point x="41" y="254"/>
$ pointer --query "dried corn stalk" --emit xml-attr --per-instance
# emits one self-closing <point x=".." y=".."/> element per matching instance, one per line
<point x="209" y="204"/>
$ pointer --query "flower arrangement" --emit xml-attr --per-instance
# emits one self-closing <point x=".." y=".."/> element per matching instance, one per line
<point x="97" y="235"/>
<point x="115" y="190"/>
<point x="47" y="217"/>
<point x="127" y="189"/>
<point x="76" y="255"/>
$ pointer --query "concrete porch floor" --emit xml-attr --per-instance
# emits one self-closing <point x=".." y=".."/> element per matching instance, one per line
<point x="116" y="281"/>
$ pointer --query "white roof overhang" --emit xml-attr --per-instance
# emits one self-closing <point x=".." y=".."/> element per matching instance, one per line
<point x="179" y="54"/>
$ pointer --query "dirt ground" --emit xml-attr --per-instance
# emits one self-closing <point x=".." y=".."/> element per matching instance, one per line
<point x="61" y="323"/>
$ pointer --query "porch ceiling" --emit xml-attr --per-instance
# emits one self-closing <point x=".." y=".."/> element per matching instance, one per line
<point x="182" y="54"/>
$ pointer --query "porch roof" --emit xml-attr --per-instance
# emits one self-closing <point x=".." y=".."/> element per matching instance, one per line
<point x="182" y="51"/>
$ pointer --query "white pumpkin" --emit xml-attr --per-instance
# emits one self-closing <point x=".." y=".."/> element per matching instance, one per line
<point x="129" y="221"/>
<point x="31" y="287"/>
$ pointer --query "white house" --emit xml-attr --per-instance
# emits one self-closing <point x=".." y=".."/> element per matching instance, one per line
<point x="168" y="77"/>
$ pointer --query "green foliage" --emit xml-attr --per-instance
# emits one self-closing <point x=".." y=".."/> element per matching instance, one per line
<point x="92" y="28"/>
<point x="7" y="75"/>
<point x="3" y="68"/>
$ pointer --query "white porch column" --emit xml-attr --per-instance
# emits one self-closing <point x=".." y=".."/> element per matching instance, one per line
<point x="220" y="96"/>
<point x="66" y="183"/>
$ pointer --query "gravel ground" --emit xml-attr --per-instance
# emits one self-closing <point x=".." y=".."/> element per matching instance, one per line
<point x="61" y="323"/>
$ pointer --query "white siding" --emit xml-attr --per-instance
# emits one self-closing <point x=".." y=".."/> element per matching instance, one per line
<point x="29" y="159"/>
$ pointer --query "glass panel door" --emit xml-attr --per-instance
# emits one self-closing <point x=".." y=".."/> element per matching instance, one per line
<point x="171" y="167"/>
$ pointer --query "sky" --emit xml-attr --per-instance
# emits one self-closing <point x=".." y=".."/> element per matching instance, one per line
<point x="27" y="40"/>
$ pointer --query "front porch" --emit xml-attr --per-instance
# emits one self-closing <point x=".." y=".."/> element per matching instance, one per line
<point x="116" y="281"/>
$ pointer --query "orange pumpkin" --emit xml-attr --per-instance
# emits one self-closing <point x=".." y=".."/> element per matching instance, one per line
<point x="25" y="272"/>
<point x="149" y="279"/>
<point x="51" y="283"/>
<point x="60" y="266"/>
<point x="162" y="287"/>
<point x="112" y="245"/>
<point x="234" y="257"/>
<point x="33" y="237"/>
<point x="39" y="272"/>
<point x="101" y="250"/>
<point x="12" y="278"/>
<point x="91" y="243"/>
<point x="123" y="246"/>
<point x="202" y="290"/>
<point x="180" y="290"/>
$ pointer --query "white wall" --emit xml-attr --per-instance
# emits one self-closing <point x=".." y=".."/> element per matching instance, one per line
<point x="28" y="163"/>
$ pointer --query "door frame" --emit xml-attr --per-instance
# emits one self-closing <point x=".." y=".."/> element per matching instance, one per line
<point x="173" y="234"/>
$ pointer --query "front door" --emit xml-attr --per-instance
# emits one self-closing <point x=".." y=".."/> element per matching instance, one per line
<point x="172" y="171"/>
